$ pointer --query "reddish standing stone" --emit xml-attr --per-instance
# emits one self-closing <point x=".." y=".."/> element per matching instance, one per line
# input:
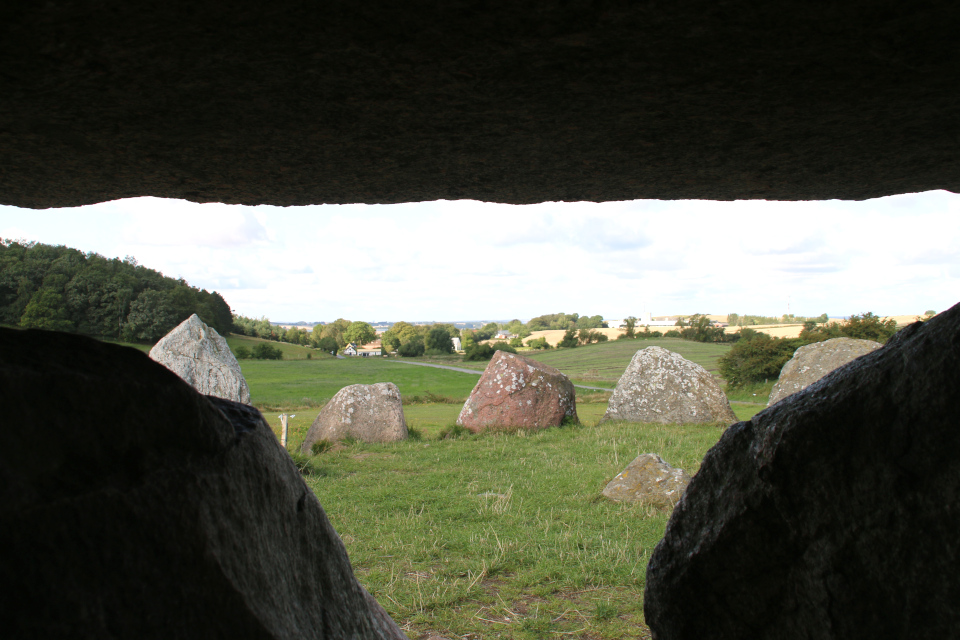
<point x="518" y="392"/>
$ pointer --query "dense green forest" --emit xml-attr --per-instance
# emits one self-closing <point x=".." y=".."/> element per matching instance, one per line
<point x="64" y="289"/>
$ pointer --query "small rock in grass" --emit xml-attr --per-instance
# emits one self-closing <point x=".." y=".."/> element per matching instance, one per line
<point x="650" y="480"/>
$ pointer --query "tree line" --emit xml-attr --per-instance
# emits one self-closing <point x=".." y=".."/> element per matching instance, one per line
<point x="63" y="289"/>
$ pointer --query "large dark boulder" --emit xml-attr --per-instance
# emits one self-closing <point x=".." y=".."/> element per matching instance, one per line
<point x="133" y="507"/>
<point x="832" y="514"/>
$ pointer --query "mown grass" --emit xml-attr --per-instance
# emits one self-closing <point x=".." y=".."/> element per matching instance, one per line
<point x="501" y="535"/>
<point x="289" y="384"/>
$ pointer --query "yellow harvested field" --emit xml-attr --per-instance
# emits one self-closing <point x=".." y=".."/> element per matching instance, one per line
<point x="554" y="336"/>
<point x="904" y="320"/>
<point x="774" y="330"/>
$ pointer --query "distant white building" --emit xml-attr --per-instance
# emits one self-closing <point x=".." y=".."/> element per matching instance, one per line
<point x="503" y="334"/>
<point x="350" y="350"/>
<point x="456" y="344"/>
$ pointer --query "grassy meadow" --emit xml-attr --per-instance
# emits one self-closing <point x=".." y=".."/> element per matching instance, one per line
<point x="289" y="384"/>
<point x="500" y="535"/>
<point x="601" y="365"/>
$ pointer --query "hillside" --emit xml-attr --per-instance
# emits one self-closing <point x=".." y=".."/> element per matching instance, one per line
<point x="63" y="289"/>
<point x="602" y="364"/>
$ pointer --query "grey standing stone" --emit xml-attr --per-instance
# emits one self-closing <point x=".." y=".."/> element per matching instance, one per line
<point x="662" y="386"/>
<point x="367" y="412"/>
<point x="200" y="355"/>
<point x="813" y="361"/>
<point x="832" y="514"/>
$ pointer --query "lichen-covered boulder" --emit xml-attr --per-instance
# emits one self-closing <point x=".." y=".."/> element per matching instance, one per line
<point x="813" y="361"/>
<point x="200" y="355"/>
<point x="133" y="507"/>
<point x="662" y="386"/>
<point x="650" y="480"/>
<point x="367" y="412"/>
<point x="519" y="392"/>
<point x="832" y="514"/>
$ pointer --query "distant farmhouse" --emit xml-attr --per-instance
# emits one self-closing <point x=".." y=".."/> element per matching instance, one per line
<point x="456" y="344"/>
<point x="645" y="320"/>
<point x="373" y="349"/>
<point x="503" y="334"/>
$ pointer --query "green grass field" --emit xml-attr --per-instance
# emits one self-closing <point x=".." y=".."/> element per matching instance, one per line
<point x="288" y="384"/>
<point x="502" y="535"/>
<point x="496" y="535"/>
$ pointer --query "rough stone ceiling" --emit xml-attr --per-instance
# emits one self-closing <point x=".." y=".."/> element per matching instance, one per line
<point x="315" y="101"/>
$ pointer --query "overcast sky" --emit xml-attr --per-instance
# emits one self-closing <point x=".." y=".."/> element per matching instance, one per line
<point x="468" y="260"/>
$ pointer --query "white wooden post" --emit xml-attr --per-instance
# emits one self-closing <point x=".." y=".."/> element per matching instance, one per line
<point x="283" y="430"/>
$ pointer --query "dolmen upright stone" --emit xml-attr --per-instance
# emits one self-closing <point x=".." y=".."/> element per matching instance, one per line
<point x="517" y="392"/>
<point x="200" y="355"/>
<point x="367" y="412"/>
<point x="813" y="361"/>
<point x="832" y="514"/>
<point x="662" y="386"/>
<point x="134" y="507"/>
<point x="648" y="480"/>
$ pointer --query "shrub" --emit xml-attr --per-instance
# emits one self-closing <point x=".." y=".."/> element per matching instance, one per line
<point x="569" y="339"/>
<point x="412" y="348"/>
<point x="436" y="352"/>
<point x="242" y="353"/>
<point x="699" y="328"/>
<point x="673" y="333"/>
<point x="516" y="341"/>
<point x="328" y="344"/>
<point x="756" y="358"/>
<point x="478" y="352"/>
<point x="502" y="346"/>
<point x="264" y="351"/>
<point x="588" y="337"/>
<point x="539" y="343"/>
<point x="864" y="327"/>
<point x="438" y="341"/>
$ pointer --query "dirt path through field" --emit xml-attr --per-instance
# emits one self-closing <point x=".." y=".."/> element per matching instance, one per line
<point x="477" y="373"/>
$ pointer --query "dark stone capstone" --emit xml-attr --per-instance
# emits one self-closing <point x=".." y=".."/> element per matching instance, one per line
<point x="133" y="507"/>
<point x="294" y="103"/>
<point x="833" y="514"/>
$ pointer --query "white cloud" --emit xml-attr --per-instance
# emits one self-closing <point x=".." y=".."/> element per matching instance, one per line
<point x="473" y="260"/>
